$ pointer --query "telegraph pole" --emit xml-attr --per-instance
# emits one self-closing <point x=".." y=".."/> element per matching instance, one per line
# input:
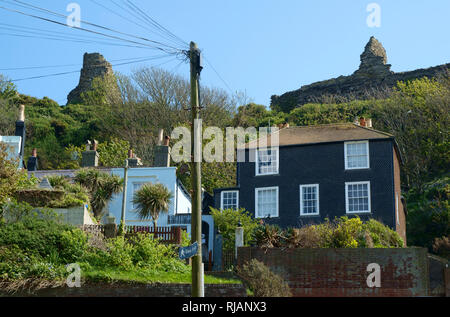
<point x="124" y="199"/>
<point x="196" y="174"/>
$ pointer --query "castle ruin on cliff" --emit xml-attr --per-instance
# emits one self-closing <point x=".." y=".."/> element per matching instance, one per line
<point x="374" y="74"/>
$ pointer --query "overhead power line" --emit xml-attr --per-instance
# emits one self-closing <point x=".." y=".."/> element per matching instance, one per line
<point x="174" y="51"/>
<point x="93" y="24"/>
<point x="77" y="71"/>
<point x="70" y="65"/>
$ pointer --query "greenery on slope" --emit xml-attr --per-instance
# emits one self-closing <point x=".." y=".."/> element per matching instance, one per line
<point x="416" y="113"/>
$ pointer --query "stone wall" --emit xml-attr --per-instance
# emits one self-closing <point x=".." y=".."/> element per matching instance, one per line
<point x="76" y="216"/>
<point x="135" y="290"/>
<point x="343" y="272"/>
<point x="373" y="75"/>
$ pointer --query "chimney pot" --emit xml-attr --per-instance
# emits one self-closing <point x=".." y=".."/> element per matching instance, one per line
<point x="34" y="152"/>
<point x="160" y="136"/>
<point x="130" y="153"/>
<point x="94" y="147"/>
<point x="362" y="121"/>
<point x="22" y="113"/>
<point x="166" y="140"/>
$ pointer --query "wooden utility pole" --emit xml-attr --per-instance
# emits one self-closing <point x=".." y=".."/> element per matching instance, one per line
<point x="196" y="174"/>
<point x="124" y="199"/>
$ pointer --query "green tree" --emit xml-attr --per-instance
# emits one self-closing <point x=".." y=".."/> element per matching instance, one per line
<point x="113" y="153"/>
<point x="151" y="200"/>
<point x="101" y="187"/>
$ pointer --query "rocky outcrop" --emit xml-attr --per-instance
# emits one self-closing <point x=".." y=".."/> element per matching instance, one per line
<point x="374" y="75"/>
<point x="94" y="65"/>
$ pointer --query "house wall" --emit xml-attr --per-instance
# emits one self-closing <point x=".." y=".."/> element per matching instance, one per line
<point x="321" y="164"/>
<point x="142" y="175"/>
<point x="343" y="272"/>
<point x="183" y="201"/>
<point x="15" y="143"/>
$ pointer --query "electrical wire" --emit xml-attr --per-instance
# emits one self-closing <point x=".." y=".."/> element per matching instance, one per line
<point x="91" y="24"/>
<point x="70" y="65"/>
<point x="77" y="71"/>
<point x="218" y="75"/>
<point x="155" y="23"/>
<point x="91" y="31"/>
<point x="130" y="20"/>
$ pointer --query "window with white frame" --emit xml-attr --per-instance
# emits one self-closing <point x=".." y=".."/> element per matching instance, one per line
<point x="136" y="187"/>
<point x="229" y="199"/>
<point x="309" y="200"/>
<point x="267" y="161"/>
<point x="266" y="202"/>
<point x="357" y="196"/>
<point x="357" y="155"/>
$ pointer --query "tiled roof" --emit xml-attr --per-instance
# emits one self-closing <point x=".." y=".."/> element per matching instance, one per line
<point x="324" y="133"/>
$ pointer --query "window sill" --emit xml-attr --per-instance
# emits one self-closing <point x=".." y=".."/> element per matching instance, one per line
<point x="359" y="213"/>
<point x="310" y="216"/>
<point x="274" y="174"/>
<point x="358" y="169"/>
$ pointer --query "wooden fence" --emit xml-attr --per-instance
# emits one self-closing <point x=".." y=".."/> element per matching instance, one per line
<point x="171" y="235"/>
<point x="166" y="234"/>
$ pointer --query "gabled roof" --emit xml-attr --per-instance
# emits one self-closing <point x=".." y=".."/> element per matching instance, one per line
<point x="323" y="134"/>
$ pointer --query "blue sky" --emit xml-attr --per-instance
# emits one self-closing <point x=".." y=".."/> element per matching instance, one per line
<point x="262" y="47"/>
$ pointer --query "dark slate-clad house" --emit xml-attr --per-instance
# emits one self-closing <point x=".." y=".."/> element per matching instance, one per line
<point x="320" y="172"/>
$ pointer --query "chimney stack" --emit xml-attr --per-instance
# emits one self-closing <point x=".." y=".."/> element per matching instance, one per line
<point x="162" y="151"/>
<point x="32" y="165"/>
<point x="89" y="158"/>
<point x="133" y="161"/>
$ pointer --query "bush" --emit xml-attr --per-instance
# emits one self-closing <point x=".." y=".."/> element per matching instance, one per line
<point x="261" y="281"/>
<point x="341" y="233"/>
<point x="227" y="220"/>
<point x="268" y="236"/>
<point x="441" y="246"/>
<point x="45" y="238"/>
<point x="139" y="251"/>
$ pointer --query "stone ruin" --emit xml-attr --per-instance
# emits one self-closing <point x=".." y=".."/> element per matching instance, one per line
<point x="374" y="75"/>
<point x="94" y="65"/>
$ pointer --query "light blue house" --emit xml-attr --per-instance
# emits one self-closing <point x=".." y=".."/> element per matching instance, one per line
<point x="179" y="214"/>
<point x="16" y="143"/>
<point x="138" y="176"/>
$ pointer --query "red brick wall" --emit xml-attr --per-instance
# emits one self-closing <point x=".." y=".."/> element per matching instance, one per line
<point x="343" y="272"/>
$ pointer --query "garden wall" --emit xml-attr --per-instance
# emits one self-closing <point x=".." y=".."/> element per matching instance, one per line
<point x="343" y="272"/>
<point x="135" y="290"/>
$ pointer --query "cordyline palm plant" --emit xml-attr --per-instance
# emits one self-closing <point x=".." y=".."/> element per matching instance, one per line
<point x="152" y="199"/>
<point x="101" y="187"/>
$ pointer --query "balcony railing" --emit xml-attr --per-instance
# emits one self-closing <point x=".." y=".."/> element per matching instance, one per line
<point x="179" y="219"/>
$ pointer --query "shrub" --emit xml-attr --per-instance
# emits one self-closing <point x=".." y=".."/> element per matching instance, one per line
<point x="261" y="281"/>
<point x="43" y="237"/>
<point x="268" y="236"/>
<point x="441" y="246"/>
<point x="227" y="220"/>
<point x="343" y="232"/>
